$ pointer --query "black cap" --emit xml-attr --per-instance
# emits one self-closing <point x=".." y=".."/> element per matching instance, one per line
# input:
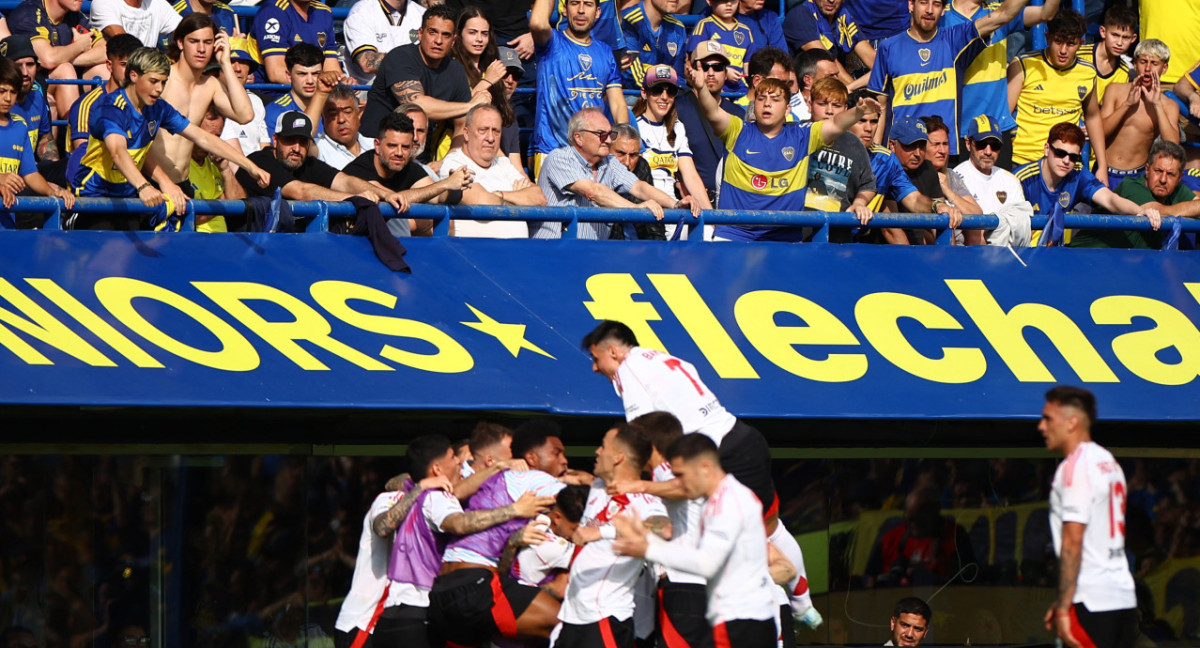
<point x="17" y="47"/>
<point x="294" y="124"/>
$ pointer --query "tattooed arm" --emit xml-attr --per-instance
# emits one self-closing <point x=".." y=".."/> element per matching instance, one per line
<point x="1058" y="617"/>
<point x="530" y="534"/>
<point x="659" y="525"/>
<point x="385" y="524"/>
<point x="411" y="91"/>
<point x="469" y="522"/>
<point x="369" y="61"/>
<point x="47" y="150"/>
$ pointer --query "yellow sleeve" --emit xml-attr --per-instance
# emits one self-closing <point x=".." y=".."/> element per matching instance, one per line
<point x="731" y="133"/>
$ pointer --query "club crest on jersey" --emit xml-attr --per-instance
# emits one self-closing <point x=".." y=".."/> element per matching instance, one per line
<point x="321" y="39"/>
<point x="1002" y="196"/>
<point x="1082" y="91"/>
<point x="413" y="34"/>
<point x="1064" y="199"/>
<point x="152" y="127"/>
<point x="924" y="53"/>
<point x="612" y="509"/>
<point x="788" y="153"/>
<point x="738" y="37"/>
<point x="672" y="48"/>
<point x="585" y="61"/>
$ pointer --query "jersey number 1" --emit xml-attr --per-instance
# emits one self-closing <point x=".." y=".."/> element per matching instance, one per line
<point x="675" y="365"/>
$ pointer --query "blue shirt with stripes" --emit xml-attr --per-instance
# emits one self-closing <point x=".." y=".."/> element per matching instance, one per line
<point x="571" y="76"/>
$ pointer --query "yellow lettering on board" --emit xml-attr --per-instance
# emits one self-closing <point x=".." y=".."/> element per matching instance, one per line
<point x="94" y="323"/>
<point x="1137" y="350"/>
<point x="755" y="314"/>
<point x="117" y="295"/>
<point x="449" y="357"/>
<point x="1005" y="331"/>
<point x="878" y="316"/>
<point x="705" y="330"/>
<point x="612" y="299"/>
<point x="307" y="324"/>
<point x="43" y="327"/>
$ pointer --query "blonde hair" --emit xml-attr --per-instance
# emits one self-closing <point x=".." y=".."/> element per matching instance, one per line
<point x="147" y="61"/>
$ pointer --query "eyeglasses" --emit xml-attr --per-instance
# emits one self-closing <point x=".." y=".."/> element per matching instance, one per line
<point x="1073" y="157"/>
<point x="605" y="136"/>
<point x="993" y="144"/>
<point x="135" y="641"/>
<point x="711" y="66"/>
<point x="671" y="90"/>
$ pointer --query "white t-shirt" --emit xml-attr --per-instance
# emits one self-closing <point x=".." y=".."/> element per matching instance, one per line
<point x="149" y="21"/>
<point x="500" y="176"/>
<point x="370" y="569"/>
<point x="601" y="582"/>
<point x="252" y="136"/>
<point x="533" y="564"/>
<point x="685" y="523"/>
<point x="1089" y="488"/>
<point x="436" y="508"/>
<point x="337" y="156"/>
<point x="654" y="381"/>
<point x="732" y="556"/>
<point x="517" y="484"/>
<point x="660" y="154"/>
<point x="373" y="25"/>
<point x="993" y="191"/>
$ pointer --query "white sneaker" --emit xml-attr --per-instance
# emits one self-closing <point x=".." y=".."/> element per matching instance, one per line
<point x="810" y="618"/>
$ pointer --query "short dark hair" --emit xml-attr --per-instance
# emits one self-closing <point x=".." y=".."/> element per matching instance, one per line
<point x="395" y="121"/>
<point x="609" y="330"/>
<point x="1076" y="397"/>
<point x="533" y="434"/>
<point x="121" y="46"/>
<point x="934" y="123"/>
<point x="662" y="429"/>
<point x="1167" y="148"/>
<point x="693" y="446"/>
<point x="571" y="500"/>
<point x="305" y="54"/>
<point x="423" y="451"/>
<point x="637" y="445"/>
<point x="913" y="605"/>
<point x="1066" y="25"/>
<point x="343" y="91"/>
<point x="762" y="61"/>
<point x="9" y="75"/>
<point x="439" y="11"/>
<point x="486" y="435"/>
<point x="857" y="96"/>
<point x="806" y="62"/>
<point x="1118" y="16"/>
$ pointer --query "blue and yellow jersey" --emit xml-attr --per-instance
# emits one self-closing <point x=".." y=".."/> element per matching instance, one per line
<point x="880" y="19"/>
<point x="766" y="173"/>
<point x="278" y="26"/>
<point x="96" y="174"/>
<point x="737" y="39"/>
<point x="36" y="113"/>
<point x="1049" y="96"/>
<point x="985" y="84"/>
<point x="1079" y="186"/>
<point x="222" y="14"/>
<point x="1120" y="74"/>
<point x="16" y="156"/>
<point x="923" y="79"/>
<point x="1191" y="180"/>
<point x="607" y="28"/>
<point x="891" y="182"/>
<point x="79" y="119"/>
<point x="571" y="76"/>
<point x="667" y="46"/>
<point x="805" y="24"/>
<point x="285" y="103"/>
<point x="31" y="19"/>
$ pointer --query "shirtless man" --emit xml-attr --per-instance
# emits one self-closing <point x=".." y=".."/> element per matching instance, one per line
<point x="197" y="41"/>
<point x="1136" y="113"/>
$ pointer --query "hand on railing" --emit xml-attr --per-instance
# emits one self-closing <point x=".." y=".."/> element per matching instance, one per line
<point x="10" y="185"/>
<point x="1154" y="217"/>
<point x="690" y="204"/>
<point x="654" y="208"/>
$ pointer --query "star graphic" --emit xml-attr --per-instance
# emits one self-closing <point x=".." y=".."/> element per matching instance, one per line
<point x="512" y="336"/>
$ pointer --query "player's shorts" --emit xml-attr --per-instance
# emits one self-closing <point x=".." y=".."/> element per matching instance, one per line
<point x="681" y="622"/>
<point x="1113" y="629"/>
<point x="470" y="606"/>
<point x="746" y="456"/>
<point x="1115" y="176"/>
<point x="401" y="626"/>
<point x="786" y="627"/>
<point x="605" y="633"/>
<point x="745" y="633"/>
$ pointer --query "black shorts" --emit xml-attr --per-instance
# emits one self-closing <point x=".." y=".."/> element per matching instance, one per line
<point x="746" y="456"/>
<point x="1113" y="629"/>
<point x="681" y="622"/>
<point x="402" y="626"/>
<point x="470" y="606"/>
<point x="745" y="633"/>
<point x="787" y="626"/>
<point x="605" y="633"/>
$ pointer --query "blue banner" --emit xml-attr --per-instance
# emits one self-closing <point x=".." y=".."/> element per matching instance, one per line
<point x="777" y="330"/>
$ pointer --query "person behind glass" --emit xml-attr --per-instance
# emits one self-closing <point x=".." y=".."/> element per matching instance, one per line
<point x="665" y="142"/>
<point x="627" y="148"/>
<point x="18" y="171"/>
<point x="584" y="174"/>
<point x="342" y="142"/>
<point x="711" y="60"/>
<point x="110" y="166"/>
<point x="910" y="622"/>
<point x="131" y="635"/>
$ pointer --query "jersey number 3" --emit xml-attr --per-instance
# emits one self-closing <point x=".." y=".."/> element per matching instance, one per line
<point x="1116" y="509"/>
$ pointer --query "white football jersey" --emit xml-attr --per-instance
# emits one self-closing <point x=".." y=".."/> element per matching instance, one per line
<point x="436" y="508"/>
<point x="685" y="523"/>
<point x="372" y="25"/>
<point x="536" y="563"/>
<point x="654" y="381"/>
<point x="370" y="569"/>
<point x="1089" y="488"/>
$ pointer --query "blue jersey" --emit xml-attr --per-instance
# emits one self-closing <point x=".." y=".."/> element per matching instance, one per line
<point x="738" y="41"/>
<point x="79" y="119"/>
<point x="31" y="19"/>
<point x="1191" y="180"/>
<point x="667" y="46"/>
<point x="805" y="24"/>
<point x="766" y="27"/>
<point x="571" y="76"/>
<point x="880" y="18"/>
<point x="1079" y="186"/>
<point x="922" y="79"/>
<point x="222" y="15"/>
<point x="96" y="174"/>
<point x="16" y="155"/>
<point x="285" y="103"/>
<point x="891" y="182"/>
<point x="607" y="28"/>
<point x="278" y="26"/>
<point x="36" y="113"/>
<point x="985" y="84"/>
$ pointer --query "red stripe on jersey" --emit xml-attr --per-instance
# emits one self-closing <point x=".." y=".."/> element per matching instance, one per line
<point x="1069" y="465"/>
<point x="801" y="587"/>
<point x="606" y="634"/>
<point x="1079" y="633"/>
<point x="773" y="509"/>
<point x="502" y="612"/>
<point x="670" y="635"/>
<point x="361" y="636"/>
<point x="721" y="636"/>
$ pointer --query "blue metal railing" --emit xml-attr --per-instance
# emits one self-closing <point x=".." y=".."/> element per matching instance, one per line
<point x="319" y="212"/>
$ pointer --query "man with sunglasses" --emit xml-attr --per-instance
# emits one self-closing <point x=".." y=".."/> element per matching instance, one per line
<point x="1056" y="178"/>
<point x="710" y="60"/>
<point x="992" y="187"/>
<point x="584" y="173"/>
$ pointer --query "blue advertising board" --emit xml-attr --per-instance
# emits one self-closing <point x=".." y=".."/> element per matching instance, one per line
<point x="776" y="330"/>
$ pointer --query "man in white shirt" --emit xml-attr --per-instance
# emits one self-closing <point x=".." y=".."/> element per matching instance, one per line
<point x="149" y="20"/>
<point x="373" y="28"/>
<point x="341" y="141"/>
<point x="497" y="181"/>
<point x="1096" y="604"/>
<point x="732" y="551"/>
<point x="992" y="187"/>
<point x="910" y="622"/>
<point x="252" y="136"/>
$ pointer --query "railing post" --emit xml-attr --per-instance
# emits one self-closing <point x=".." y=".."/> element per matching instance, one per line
<point x="55" y="221"/>
<point x="573" y="223"/>
<point x="189" y="217"/>
<point x="696" y="230"/>
<point x="322" y="220"/>
<point x="441" y="228"/>
<point x="946" y="237"/>
<point x="821" y="234"/>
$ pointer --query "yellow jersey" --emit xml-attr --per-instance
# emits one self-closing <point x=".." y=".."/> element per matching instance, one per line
<point x="1049" y="96"/>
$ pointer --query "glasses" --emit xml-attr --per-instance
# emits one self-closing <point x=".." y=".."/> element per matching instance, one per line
<point x="135" y="641"/>
<point x="1073" y="157"/>
<point x="711" y="66"/>
<point x="605" y="136"/>
<point x="671" y="90"/>
<point x="993" y="144"/>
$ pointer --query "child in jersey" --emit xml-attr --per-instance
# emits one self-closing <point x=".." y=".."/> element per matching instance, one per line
<point x="723" y="25"/>
<point x="18" y="169"/>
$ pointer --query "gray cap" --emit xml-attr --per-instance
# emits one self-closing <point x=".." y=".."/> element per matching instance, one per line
<point x="509" y="56"/>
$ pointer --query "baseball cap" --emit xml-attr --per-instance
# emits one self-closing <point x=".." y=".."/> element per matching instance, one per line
<point x="660" y="74"/>
<point x="984" y="127"/>
<point x="239" y="50"/>
<point x="711" y="48"/>
<point x="909" y="129"/>
<point x="510" y="58"/>
<point x="17" y="47"/>
<point x="293" y="123"/>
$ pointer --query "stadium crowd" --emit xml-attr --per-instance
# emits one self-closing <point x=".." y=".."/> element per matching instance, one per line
<point x="838" y="105"/>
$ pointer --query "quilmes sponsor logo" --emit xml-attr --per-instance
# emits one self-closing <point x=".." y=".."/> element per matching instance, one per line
<point x="925" y="85"/>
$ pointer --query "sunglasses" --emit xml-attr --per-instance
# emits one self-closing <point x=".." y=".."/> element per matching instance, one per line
<point x="993" y="144"/>
<point x="711" y="66"/>
<point x="605" y="136"/>
<point x="654" y="91"/>
<point x="1073" y="157"/>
